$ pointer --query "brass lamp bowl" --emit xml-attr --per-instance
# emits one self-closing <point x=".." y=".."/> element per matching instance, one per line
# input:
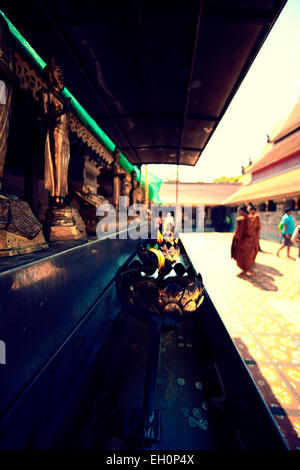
<point x="170" y="251"/>
<point x="164" y="296"/>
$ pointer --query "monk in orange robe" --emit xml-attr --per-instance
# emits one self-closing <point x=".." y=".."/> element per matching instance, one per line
<point x="244" y="245"/>
<point x="252" y="213"/>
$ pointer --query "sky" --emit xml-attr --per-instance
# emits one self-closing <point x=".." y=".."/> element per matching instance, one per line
<point x="267" y="94"/>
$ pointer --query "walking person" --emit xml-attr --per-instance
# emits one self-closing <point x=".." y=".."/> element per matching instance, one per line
<point x="244" y="245"/>
<point x="256" y="219"/>
<point x="295" y="238"/>
<point x="288" y="227"/>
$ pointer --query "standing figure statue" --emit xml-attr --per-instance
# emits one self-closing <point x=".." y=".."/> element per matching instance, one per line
<point x="63" y="222"/>
<point x="136" y="194"/>
<point x="20" y="231"/>
<point x="7" y="79"/>
<point x="126" y="186"/>
<point x="119" y="176"/>
<point x="56" y="111"/>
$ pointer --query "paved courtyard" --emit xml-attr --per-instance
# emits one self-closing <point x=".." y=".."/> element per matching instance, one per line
<point x="261" y="311"/>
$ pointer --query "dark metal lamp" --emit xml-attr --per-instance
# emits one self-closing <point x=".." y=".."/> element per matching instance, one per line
<point x="161" y="293"/>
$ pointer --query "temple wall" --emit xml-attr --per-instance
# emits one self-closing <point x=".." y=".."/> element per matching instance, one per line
<point x="269" y="222"/>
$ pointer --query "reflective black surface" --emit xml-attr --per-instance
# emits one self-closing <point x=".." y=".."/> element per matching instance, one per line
<point x="43" y="300"/>
<point x="76" y="364"/>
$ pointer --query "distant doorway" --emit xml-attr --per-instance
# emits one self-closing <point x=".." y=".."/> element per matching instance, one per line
<point x="218" y="218"/>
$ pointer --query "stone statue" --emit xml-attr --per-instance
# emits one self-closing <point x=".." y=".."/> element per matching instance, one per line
<point x="57" y="149"/>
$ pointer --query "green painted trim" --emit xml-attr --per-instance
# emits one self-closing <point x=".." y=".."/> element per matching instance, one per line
<point x="86" y="119"/>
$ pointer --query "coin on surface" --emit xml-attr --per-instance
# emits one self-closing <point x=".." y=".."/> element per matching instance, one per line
<point x="192" y="422"/>
<point x="180" y="381"/>
<point x="197" y="412"/>
<point x="203" y="424"/>
<point x="199" y="385"/>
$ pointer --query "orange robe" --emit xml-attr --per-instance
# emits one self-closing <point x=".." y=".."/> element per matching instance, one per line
<point x="257" y="228"/>
<point x="244" y="245"/>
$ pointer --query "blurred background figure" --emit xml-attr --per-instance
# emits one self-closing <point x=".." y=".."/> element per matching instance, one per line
<point x="227" y="223"/>
<point x="287" y="231"/>
<point x="253" y="213"/>
<point x="244" y="246"/>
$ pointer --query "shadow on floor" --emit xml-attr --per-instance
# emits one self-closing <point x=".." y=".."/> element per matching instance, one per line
<point x="279" y="414"/>
<point x="262" y="277"/>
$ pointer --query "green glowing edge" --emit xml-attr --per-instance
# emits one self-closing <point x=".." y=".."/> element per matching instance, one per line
<point x="154" y="182"/>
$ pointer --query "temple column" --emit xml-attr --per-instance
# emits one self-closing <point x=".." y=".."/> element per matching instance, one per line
<point x="117" y="186"/>
<point x="208" y="217"/>
<point x="91" y="171"/>
<point x="146" y="187"/>
<point x="120" y="180"/>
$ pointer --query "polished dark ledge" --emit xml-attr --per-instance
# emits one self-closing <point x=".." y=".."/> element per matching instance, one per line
<point x="12" y="262"/>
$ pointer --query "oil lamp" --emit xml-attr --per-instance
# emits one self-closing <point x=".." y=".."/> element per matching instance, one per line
<point x="168" y="244"/>
<point x="161" y="293"/>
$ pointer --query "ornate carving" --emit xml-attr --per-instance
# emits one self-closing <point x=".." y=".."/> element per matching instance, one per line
<point x="91" y="171"/>
<point x="20" y="219"/>
<point x="87" y="137"/>
<point x="31" y="80"/>
<point x="20" y="231"/>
